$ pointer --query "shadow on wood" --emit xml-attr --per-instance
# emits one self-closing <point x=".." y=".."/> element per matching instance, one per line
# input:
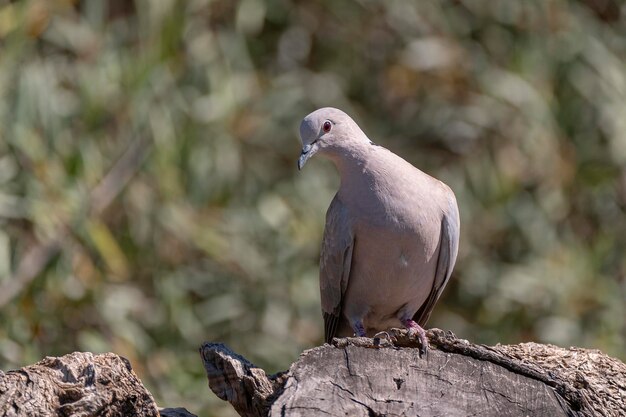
<point x="372" y="377"/>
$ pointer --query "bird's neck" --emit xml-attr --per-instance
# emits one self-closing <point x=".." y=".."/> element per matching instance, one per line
<point x="349" y="157"/>
<point x="351" y="163"/>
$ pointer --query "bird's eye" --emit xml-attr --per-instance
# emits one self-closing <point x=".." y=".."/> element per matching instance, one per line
<point x="327" y="126"/>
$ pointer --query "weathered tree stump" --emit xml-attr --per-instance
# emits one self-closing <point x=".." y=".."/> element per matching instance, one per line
<point x="79" y="384"/>
<point x="354" y="376"/>
<point x="368" y="377"/>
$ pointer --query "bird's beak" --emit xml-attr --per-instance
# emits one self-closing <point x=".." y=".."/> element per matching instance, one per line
<point x="307" y="152"/>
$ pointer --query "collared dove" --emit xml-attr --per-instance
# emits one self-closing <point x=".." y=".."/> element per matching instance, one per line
<point x="391" y="236"/>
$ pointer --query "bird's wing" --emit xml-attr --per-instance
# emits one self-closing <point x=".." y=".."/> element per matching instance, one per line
<point x="335" y="263"/>
<point x="448" y="249"/>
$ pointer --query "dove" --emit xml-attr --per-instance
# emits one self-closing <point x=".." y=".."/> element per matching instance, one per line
<point x="391" y="236"/>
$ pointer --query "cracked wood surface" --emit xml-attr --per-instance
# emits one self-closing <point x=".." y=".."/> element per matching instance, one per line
<point x="369" y="377"/>
<point x="78" y="384"/>
<point x="376" y="382"/>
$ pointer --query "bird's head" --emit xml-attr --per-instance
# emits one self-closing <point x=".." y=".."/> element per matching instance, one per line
<point x="325" y="130"/>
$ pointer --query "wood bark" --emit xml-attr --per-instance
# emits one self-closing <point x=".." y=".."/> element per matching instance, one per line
<point x="79" y="384"/>
<point x="373" y="377"/>
<point x="353" y="376"/>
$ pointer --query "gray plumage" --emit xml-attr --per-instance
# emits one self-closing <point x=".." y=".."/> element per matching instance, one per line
<point x="391" y="236"/>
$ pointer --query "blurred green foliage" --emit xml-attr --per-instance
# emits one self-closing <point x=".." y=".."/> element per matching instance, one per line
<point x="519" y="106"/>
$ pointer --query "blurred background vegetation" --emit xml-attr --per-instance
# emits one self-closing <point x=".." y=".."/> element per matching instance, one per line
<point x="149" y="199"/>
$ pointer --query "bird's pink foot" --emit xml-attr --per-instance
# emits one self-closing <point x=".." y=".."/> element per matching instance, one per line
<point x="416" y="329"/>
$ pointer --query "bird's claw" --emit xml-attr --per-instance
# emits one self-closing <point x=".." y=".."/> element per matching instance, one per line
<point x="423" y="348"/>
<point x="416" y="331"/>
<point x="379" y="335"/>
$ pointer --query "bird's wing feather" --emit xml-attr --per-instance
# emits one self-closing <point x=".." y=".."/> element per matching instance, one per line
<point x="448" y="249"/>
<point x="335" y="263"/>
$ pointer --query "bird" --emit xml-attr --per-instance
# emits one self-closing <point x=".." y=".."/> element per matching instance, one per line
<point x="391" y="236"/>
